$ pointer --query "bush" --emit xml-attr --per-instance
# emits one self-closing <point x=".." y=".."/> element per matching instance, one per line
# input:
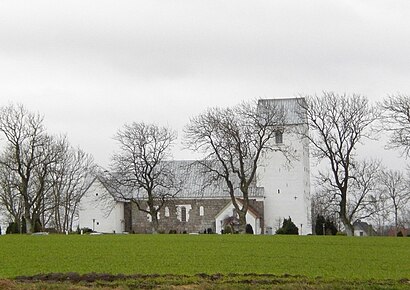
<point x="330" y="228"/>
<point x="288" y="228"/>
<point x="227" y="230"/>
<point x="172" y="231"/>
<point x="400" y="234"/>
<point x="209" y="231"/>
<point x="13" y="228"/>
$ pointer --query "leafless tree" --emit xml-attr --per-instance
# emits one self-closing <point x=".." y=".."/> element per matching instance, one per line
<point x="141" y="168"/>
<point x="396" y="120"/>
<point x="70" y="176"/>
<point x="338" y="123"/>
<point x="395" y="187"/>
<point x="364" y="198"/>
<point x="233" y="141"/>
<point x="25" y="139"/>
<point x="10" y="200"/>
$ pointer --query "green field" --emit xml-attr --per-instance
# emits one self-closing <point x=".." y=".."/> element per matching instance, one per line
<point x="339" y="258"/>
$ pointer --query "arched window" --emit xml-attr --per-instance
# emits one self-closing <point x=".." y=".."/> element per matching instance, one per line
<point x="201" y="211"/>
<point x="166" y="211"/>
<point x="183" y="214"/>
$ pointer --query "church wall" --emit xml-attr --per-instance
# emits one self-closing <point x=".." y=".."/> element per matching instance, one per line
<point x="195" y="222"/>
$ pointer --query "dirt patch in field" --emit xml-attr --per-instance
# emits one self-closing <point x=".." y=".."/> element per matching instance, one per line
<point x="198" y="281"/>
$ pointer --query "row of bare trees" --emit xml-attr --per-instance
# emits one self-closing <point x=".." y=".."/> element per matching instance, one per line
<point x="42" y="177"/>
<point x="350" y="186"/>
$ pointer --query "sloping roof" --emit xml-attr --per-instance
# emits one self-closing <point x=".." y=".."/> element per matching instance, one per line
<point x="252" y="211"/>
<point x="194" y="183"/>
<point x="290" y="106"/>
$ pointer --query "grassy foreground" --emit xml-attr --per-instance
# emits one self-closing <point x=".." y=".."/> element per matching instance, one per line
<point x="313" y="257"/>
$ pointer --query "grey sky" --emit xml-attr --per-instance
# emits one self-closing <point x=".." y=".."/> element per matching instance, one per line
<point x="91" y="66"/>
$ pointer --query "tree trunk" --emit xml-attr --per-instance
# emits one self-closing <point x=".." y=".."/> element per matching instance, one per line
<point x="396" y="221"/>
<point x="242" y="221"/>
<point x="347" y="224"/>
<point x="27" y="218"/>
<point x="154" y="223"/>
<point x="343" y="215"/>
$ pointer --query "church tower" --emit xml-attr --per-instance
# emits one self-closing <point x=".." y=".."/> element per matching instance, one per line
<point x="286" y="180"/>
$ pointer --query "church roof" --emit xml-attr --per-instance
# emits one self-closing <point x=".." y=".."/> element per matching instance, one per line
<point x="194" y="183"/>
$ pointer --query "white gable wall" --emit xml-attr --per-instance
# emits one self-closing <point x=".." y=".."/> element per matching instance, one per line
<point x="100" y="212"/>
<point x="287" y="186"/>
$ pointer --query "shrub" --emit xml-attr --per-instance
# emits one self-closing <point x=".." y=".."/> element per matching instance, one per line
<point x="13" y="228"/>
<point x="400" y="234"/>
<point x="209" y="231"/>
<point x="330" y="228"/>
<point x="172" y="231"/>
<point x="288" y="228"/>
<point x="227" y="230"/>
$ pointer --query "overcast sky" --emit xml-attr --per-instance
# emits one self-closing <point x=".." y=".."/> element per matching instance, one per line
<point x="91" y="66"/>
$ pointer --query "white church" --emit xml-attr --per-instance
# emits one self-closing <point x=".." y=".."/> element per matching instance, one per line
<point x="282" y="190"/>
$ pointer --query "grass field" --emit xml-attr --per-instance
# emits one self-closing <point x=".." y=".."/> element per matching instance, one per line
<point x="309" y="256"/>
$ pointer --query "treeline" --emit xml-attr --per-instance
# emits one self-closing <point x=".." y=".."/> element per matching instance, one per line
<point x="42" y="177"/>
<point x="353" y="188"/>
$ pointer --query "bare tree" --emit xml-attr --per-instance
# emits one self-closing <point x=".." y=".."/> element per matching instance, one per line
<point x="70" y="177"/>
<point x="396" y="188"/>
<point x="37" y="170"/>
<point x="364" y="196"/>
<point x="141" y="167"/>
<point x="338" y="123"/>
<point x="233" y="141"/>
<point x="396" y="120"/>
<point x="25" y="137"/>
<point x="10" y="199"/>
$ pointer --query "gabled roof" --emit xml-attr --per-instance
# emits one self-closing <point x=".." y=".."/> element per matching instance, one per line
<point x="251" y="210"/>
<point x="197" y="185"/>
<point x="194" y="183"/>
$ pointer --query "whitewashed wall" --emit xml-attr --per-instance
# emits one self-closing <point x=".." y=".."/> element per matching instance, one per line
<point x="287" y="186"/>
<point x="99" y="211"/>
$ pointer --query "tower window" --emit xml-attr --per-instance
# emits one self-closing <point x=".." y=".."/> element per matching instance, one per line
<point x="278" y="137"/>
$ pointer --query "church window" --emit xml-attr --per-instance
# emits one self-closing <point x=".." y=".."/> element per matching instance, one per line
<point x="183" y="214"/>
<point x="201" y="210"/>
<point x="278" y="137"/>
<point x="166" y="211"/>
